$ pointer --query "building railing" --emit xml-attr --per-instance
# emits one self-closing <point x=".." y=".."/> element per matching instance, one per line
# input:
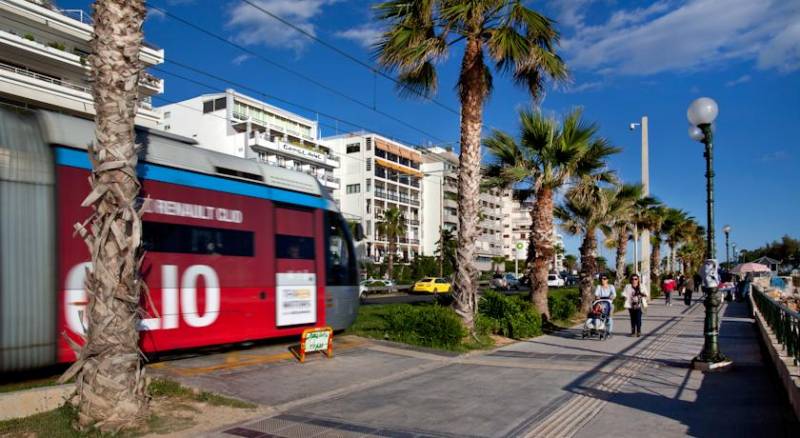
<point x="784" y="322"/>
<point x="380" y="193"/>
<point x="412" y="221"/>
<point x="78" y="14"/>
<point x="45" y="78"/>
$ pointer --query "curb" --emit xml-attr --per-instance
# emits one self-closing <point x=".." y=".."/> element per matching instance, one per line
<point x="29" y="402"/>
<point x="788" y="373"/>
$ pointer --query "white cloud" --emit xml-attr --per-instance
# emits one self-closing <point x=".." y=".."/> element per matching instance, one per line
<point x="775" y="156"/>
<point x="155" y="13"/>
<point x="737" y="81"/>
<point x="253" y="26"/>
<point x="583" y="86"/>
<point x="365" y="36"/>
<point x="681" y="35"/>
<point x="239" y="60"/>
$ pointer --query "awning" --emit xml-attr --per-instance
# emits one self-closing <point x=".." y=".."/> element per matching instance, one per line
<point x="398" y="167"/>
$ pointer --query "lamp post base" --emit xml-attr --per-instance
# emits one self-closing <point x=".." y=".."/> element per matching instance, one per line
<point x="710" y="358"/>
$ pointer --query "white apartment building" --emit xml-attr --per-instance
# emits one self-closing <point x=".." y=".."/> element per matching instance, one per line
<point x="378" y="174"/>
<point x="440" y="189"/>
<point x="43" y="53"/>
<point x="519" y="235"/>
<point x="239" y="125"/>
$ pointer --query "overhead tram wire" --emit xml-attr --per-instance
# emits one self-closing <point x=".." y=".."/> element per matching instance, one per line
<point x="242" y="86"/>
<point x="269" y="96"/>
<point x="218" y="90"/>
<point x="347" y="55"/>
<point x="289" y="70"/>
<point x="354" y="133"/>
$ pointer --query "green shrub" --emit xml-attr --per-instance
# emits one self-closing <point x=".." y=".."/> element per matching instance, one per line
<point x="563" y="306"/>
<point x="510" y="316"/>
<point x="428" y="326"/>
<point x="57" y="46"/>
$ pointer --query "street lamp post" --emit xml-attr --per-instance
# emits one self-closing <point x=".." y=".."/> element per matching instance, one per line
<point x="701" y="115"/>
<point x="645" y="234"/>
<point x="727" y="230"/>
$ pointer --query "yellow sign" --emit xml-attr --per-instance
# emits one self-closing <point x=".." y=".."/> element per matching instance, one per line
<point x="315" y="339"/>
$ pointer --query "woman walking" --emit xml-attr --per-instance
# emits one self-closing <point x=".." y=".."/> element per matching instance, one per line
<point x="606" y="291"/>
<point x="635" y="302"/>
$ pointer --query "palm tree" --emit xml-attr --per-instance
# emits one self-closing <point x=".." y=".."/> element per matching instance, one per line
<point x="111" y="389"/>
<point x="570" y="261"/>
<point x="676" y="227"/>
<point x="391" y="226"/>
<point x="446" y="249"/>
<point x="547" y="157"/>
<point x="654" y="217"/>
<point x="587" y="207"/>
<point x="498" y="261"/>
<point x="518" y="40"/>
<point x="618" y="228"/>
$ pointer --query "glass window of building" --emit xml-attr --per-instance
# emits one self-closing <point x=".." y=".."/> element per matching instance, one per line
<point x="353" y="148"/>
<point x="353" y="188"/>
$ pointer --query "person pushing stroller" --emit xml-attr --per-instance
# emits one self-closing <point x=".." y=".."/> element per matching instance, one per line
<point x="606" y="291"/>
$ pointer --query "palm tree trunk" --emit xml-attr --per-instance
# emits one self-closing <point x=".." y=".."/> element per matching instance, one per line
<point x="472" y="92"/>
<point x="111" y="389"/>
<point x="542" y="248"/>
<point x="588" y="269"/>
<point x="390" y="259"/>
<point x="622" y="249"/>
<point x="655" y="261"/>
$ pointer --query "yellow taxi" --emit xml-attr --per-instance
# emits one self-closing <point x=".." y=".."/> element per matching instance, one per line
<point x="432" y="285"/>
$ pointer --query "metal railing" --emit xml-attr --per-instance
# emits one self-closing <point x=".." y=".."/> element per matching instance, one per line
<point x="41" y="77"/>
<point x="78" y="14"/>
<point x="784" y="322"/>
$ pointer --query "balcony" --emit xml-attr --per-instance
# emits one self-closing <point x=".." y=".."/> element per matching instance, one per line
<point x="73" y="24"/>
<point x="262" y="142"/>
<point x="50" y="91"/>
<point x="450" y="203"/>
<point x="412" y="222"/>
<point x="394" y="196"/>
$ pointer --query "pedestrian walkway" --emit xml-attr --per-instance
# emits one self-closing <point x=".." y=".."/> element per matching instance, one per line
<point x="557" y="385"/>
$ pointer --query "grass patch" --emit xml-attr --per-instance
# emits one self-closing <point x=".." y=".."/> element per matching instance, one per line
<point x="421" y="324"/>
<point x="29" y="384"/>
<point x="172" y="389"/>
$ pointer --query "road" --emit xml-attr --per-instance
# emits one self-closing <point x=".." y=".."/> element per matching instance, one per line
<point x="405" y="298"/>
<point x="556" y="385"/>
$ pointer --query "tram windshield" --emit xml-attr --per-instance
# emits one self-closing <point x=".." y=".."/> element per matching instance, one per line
<point x="341" y="263"/>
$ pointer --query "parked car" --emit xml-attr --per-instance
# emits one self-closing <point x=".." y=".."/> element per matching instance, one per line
<point x="365" y="285"/>
<point x="554" y="280"/>
<point x="505" y="281"/>
<point x="432" y="285"/>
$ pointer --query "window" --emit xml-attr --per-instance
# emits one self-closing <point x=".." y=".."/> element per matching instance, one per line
<point x="340" y="254"/>
<point x="166" y="127"/>
<point x="369" y="164"/>
<point x="369" y="144"/>
<point x="353" y="148"/>
<point x="214" y="105"/>
<point x="353" y="188"/>
<point x="441" y="281"/>
<point x="294" y="247"/>
<point x="188" y="239"/>
<point x="368" y="185"/>
<point x="167" y="114"/>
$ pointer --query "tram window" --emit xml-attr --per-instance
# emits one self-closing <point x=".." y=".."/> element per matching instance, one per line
<point x="188" y="239"/>
<point x="341" y="267"/>
<point x="294" y="247"/>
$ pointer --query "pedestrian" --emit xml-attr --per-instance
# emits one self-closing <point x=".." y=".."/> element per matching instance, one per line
<point x="636" y="303"/>
<point x="691" y="286"/>
<point x="681" y="285"/>
<point x="606" y="291"/>
<point x="668" y="286"/>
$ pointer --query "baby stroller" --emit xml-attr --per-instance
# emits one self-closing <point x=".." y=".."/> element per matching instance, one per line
<point x="597" y="320"/>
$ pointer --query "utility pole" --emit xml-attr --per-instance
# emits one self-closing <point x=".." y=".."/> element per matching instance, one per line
<point x="646" y="192"/>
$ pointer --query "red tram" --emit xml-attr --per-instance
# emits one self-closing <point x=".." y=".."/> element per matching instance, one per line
<point x="235" y="250"/>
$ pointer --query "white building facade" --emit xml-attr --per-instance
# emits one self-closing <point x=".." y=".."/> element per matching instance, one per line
<point x="238" y="125"/>
<point x="377" y="174"/>
<point x="440" y="188"/>
<point x="43" y="61"/>
<point x="516" y="241"/>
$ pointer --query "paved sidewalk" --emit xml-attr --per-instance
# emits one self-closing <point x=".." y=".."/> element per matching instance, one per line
<point x="557" y="385"/>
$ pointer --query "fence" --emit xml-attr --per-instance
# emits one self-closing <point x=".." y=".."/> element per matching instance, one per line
<point x="783" y="321"/>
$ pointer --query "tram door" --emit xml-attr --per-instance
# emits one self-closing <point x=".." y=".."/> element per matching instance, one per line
<point x="299" y="257"/>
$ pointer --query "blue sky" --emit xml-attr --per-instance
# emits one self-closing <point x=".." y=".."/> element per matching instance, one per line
<point x="628" y="59"/>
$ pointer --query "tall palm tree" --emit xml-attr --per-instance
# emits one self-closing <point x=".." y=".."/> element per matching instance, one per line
<point x="547" y="157"/>
<point x="111" y="389"/>
<point x="498" y="261"/>
<point x="677" y="226"/>
<point x="587" y="207"/>
<point x="446" y="249"/>
<point x="392" y="226"/>
<point x="519" y="41"/>
<point x="654" y="216"/>
<point x="619" y="227"/>
<point x="570" y="261"/>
